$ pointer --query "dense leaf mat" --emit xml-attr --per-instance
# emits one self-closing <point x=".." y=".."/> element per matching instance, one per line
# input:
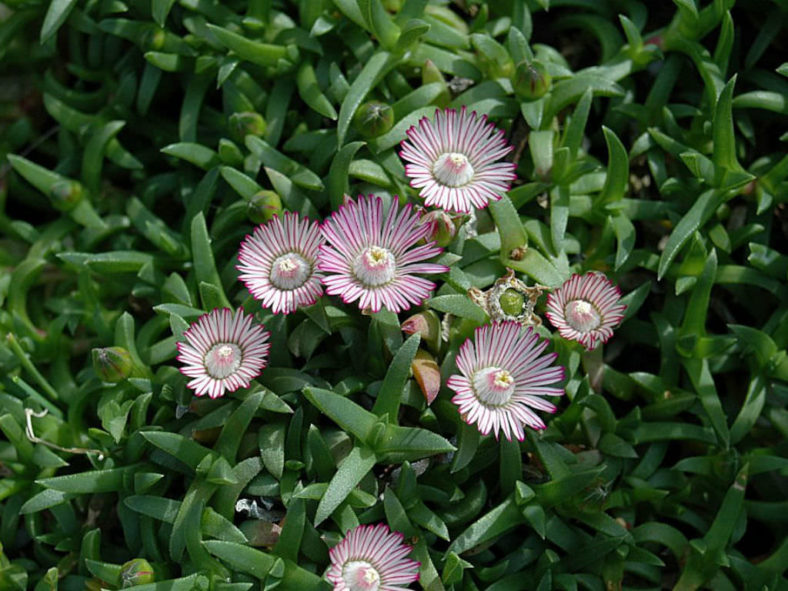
<point x="141" y="141"/>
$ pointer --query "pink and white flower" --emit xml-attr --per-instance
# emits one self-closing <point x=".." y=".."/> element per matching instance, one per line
<point x="278" y="263"/>
<point x="373" y="258"/>
<point x="586" y="309"/>
<point x="453" y="160"/>
<point x="371" y="558"/>
<point x="504" y="376"/>
<point x="223" y="351"/>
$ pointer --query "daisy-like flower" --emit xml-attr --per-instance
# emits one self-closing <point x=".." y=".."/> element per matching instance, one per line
<point x="371" y="558"/>
<point x="372" y="257"/>
<point x="278" y="263"/>
<point x="504" y="376"/>
<point x="453" y="160"/>
<point x="223" y="351"/>
<point x="586" y="309"/>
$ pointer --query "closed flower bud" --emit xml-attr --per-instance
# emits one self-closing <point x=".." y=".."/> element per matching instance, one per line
<point x="442" y="226"/>
<point x="428" y="325"/>
<point x="65" y="195"/>
<point x="153" y="40"/>
<point x="373" y="118"/>
<point x="247" y="123"/>
<point x="136" y="572"/>
<point x="112" y="364"/>
<point x="531" y="81"/>
<point x="427" y="374"/>
<point x="263" y="206"/>
<point x="512" y="302"/>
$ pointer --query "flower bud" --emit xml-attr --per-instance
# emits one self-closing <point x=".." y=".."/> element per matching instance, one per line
<point x="112" y="364"/>
<point x="512" y="302"/>
<point x="153" y="39"/>
<point x="531" y="81"/>
<point x="373" y="118"/>
<point x="136" y="572"/>
<point x="66" y="194"/>
<point x="442" y="228"/>
<point x="247" y="123"/>
<point x="428" y="325"/>
<point x="263" y="206"/>
<point x="427" y="374"/>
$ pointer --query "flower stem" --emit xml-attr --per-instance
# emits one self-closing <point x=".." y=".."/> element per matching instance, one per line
<point x="594" y="366"/>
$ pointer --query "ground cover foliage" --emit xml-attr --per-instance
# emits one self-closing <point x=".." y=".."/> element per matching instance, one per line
<point x="136" y="139"/>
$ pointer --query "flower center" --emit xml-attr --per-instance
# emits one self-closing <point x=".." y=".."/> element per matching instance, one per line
<point x="375" y="266"/>
<point x="453" y="169"/>
<point x="290" y="271"/>
<point x="582" y="316"/>
<point x="493" y="386"/>
<point x="222" y="360"/>
<point x="360" y="575"/>
<point x="511" y="302"/>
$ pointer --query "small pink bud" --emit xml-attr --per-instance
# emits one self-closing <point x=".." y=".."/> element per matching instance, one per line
<point x="427" y="374"/>
<point x="428" y="325"/>
<point x="442" y="227"/>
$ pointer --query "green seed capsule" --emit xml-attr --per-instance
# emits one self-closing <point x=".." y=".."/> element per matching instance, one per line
<point x="247" y="123"/>
<point x="112" y="364"/>
<point x="512" y="302"/>
<point x="136" y="572"/>
<point x="531" y="81"/>
<point x="263" y="206"/>
<point x="373" y="118"/>
<point x="66" y="195"/>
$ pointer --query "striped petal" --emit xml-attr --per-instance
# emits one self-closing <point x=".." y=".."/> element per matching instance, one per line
<point x="504" y="377"/>
<point x="371" y="256"/>
<point x="371" y="558"/>
<point x="223" y="351"/>
<point x="586" y="309"/>
<point x="278" y="263"/>
<point x="452" y="160"/>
